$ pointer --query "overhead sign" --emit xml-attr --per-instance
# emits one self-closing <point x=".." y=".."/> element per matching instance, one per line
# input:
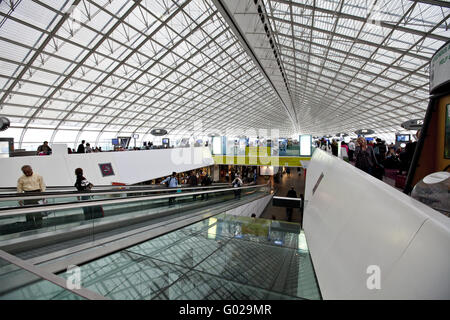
<point x="4" y="123"/>
<point x="412" y="124"/>
<point x="158" y="132"/>
<point x="364" y="131"/>
<point x="106" y="169"/>
<point x="440" y="67"/>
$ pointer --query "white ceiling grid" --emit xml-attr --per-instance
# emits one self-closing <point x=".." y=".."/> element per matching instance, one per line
<point x="352" y="64"/>
<point x="94" y="68"/>
<point x="126" y="67"/>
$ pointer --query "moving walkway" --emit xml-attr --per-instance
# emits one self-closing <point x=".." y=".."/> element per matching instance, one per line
<point x="145" y="248"/>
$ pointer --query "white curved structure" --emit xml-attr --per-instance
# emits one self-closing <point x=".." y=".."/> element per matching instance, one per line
<point x="359" y="228"/>
<point x="129" y="167"/>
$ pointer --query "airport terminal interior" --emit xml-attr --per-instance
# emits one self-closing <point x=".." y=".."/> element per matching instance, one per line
<point x="224" y="150"/>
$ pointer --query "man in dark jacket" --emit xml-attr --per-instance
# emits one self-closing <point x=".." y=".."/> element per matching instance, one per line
<point x="291" y="194"/>
<point x="380" y="150"/>
<point x="193" y="182"/>
<point x="206" y="181"/>
<point x="81" y="147"/>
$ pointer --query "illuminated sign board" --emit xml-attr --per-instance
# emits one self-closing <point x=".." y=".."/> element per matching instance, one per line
<point x="305" y="145"/>
<point x="412" y="124"/>
<point x="440" y="67"/>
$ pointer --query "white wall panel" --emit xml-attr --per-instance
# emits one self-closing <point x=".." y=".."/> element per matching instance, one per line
<point x="130" y="167"/>
<point x="353" y="221"/>
<point x="257" y="207"/>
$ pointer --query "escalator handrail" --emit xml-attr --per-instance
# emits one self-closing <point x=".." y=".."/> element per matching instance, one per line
<point x="9" y="212"/>
<point x="65" y="194"/>
<point x="106" y="186"/>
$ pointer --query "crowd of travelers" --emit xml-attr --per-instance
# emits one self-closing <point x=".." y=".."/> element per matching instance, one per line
<point x="247" y="174"/>
<point x="373" y="156"/>
<point x="85" y="147"/>
<point x="33" y="183"/>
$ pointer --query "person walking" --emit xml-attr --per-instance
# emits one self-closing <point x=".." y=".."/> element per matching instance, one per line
<point x="30" y="183"/>
<point x="291" y="194"/>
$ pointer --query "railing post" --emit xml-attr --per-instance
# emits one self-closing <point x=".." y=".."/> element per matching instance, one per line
<point x="302" y="207"/>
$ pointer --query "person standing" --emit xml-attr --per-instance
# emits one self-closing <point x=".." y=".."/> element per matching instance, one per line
<point x="351" y="150"/>
<point x="88" y="148"/>
<point x="233" y="175"/>
<point x="380" y="150"/>
<point x="291" y="194"/>
<point x="365" y="157"/>
<point x="193" y="182"/>
<point x="81" y="147"/>
<point x="237" y="183"/>
<point x="344" y="151"/>
<point x="44" y="149"/>
<point x="206" y="181"/>
<point x="31" y="182"/>
<point x="171" y="182"/>
<point x="83" y="185"/>
<point x="334" y="148"/>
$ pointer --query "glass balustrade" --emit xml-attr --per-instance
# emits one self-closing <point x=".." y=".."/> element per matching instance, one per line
<point x="220" y="258"/>
<point x="19" y="284"/>
<point x="89" y="216"/>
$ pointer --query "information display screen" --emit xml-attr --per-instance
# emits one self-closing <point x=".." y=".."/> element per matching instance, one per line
<point x="403" y="138"/>
<point x="305" y="145"/>
<point x="217" y="145"/>
<point x="115" y="142"/>
<point x="165" y="140"/>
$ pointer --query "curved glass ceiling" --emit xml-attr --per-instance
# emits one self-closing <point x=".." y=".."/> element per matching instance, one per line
<point x="94" y="69"/>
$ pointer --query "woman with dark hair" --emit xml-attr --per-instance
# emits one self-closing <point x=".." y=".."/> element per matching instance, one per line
<point x="83" y="185"/>
<point x="365" y="157"/>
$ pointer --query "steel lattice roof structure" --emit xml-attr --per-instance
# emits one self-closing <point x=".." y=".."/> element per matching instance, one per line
<point x="97" y="69"/>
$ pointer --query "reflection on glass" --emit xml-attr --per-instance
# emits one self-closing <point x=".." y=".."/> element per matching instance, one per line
<point x="213" y="229"/>
<point x="223" y="257"/>
<point x="20" y="284"/>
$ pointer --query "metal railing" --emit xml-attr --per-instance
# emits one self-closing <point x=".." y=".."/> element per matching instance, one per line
<point x="40" y="195"/>
<point x="48" y="276"/>
<point x="9" y="212"/>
